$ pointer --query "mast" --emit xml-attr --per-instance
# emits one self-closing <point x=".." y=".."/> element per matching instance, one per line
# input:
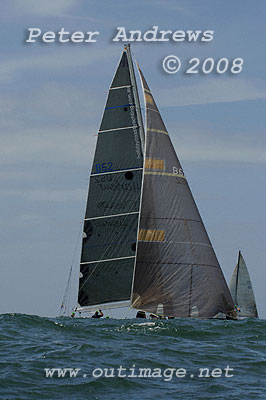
<point x="142" y="185"/>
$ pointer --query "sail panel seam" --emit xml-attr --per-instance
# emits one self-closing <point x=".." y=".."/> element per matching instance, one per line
<point x="165" y="174"/>
<point x="180" y="263"/>
<point x="170" y="241"/>
<point x="157" y="131"/>
<point x="194" y="243"/>
<point x="181" y="219"/>
<point x="151" y="109"/>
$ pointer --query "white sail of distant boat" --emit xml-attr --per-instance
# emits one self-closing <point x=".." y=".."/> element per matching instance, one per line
<point x="144" y="243"/>
<point x="241" y="290"/>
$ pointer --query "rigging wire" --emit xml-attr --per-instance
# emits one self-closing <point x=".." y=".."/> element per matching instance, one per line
<point x="65" y="305"/>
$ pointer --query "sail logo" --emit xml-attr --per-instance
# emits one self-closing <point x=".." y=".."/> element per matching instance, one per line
<point x="154" y="163"/>
<point x="134" y="123"/>
<point x="134" y="187"/>
<point x="178" y="171"/>
<point x="149" y="98"/>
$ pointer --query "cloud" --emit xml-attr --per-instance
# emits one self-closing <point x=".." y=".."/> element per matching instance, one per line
<point x="6" y="106"/>
<point x="205" y="143"/>
<point x="170" y="5"/>
<point x="53" y="60"/>
<point x="45" y="8"/>
<point x="57" y="124"/>
<point x="73" y="103"/>
<point x="49" y="145"/>
<point x="48" y="195"/>
<point x="217" y="90"/>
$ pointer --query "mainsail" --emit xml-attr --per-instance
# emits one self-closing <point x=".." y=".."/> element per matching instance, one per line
<point x="113" y="205"/>
<point x="177" y="271"/>
<point x="241" y="290"/>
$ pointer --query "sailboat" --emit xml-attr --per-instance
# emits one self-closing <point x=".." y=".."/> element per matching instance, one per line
<point x="144" y="243"/>
<point x="241" y="290"/>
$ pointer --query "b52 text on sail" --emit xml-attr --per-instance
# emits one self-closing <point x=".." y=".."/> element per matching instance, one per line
<point x="121" y="35"/>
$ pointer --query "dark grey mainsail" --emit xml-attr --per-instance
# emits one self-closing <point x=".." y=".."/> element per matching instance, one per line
<point x="177" y="272"/>
<point x="241" y="290"/>
<point x="113" y="205"/>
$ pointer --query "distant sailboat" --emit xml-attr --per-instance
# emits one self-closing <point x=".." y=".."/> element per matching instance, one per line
<point x="241" y="290"/>
<point x="144" y="243"/>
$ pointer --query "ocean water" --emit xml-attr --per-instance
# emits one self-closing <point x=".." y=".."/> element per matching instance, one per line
<point x="131" y="359"/>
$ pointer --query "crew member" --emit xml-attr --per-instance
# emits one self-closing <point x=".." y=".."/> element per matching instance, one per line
<point x="98" y="314"/>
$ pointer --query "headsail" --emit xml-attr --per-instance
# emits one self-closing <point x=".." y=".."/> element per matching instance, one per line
<point x="112" y="214"/>
<point x="176" y="266"/>
<point x="241" y="290"/>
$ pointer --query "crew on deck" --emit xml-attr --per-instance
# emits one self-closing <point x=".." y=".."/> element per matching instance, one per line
<point x="141" y="314"/>
<point x="98" y="314"/>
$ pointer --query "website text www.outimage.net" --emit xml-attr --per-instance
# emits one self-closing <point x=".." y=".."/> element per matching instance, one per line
<point x="167" y="374"/>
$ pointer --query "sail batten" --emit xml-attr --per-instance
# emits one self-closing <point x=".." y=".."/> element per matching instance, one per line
<point x="120" y="87"/>
<point x="178" y="272"/>
<point x="119" y="170"/>
<point x="106" y="260"/>
<point x="111" y="216"/>
<point x="118" y="129"/>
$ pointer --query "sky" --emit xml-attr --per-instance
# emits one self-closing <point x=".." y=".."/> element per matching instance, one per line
<point x="52" y="97"/>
